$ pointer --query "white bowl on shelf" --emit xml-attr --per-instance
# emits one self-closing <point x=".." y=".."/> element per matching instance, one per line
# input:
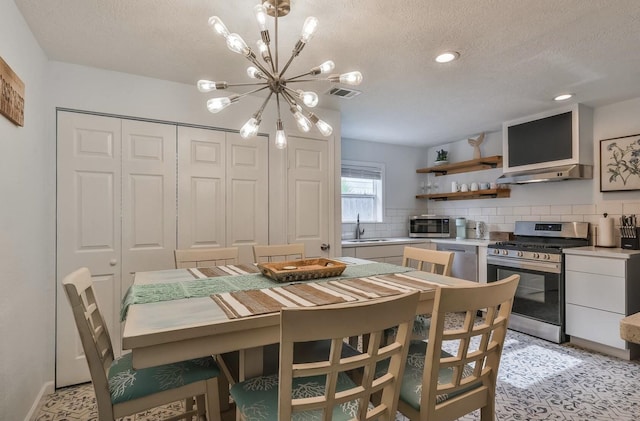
<point x="440" y="162"/>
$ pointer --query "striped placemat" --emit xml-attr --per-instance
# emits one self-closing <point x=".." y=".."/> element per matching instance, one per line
<point x="237" y="304"/>
<point x="213" y="271"/>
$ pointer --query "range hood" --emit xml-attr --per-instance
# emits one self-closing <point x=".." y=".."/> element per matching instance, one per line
<point x="565" y="172"/>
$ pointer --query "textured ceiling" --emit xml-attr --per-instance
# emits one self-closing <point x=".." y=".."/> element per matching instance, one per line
<point x="516" y="55"/>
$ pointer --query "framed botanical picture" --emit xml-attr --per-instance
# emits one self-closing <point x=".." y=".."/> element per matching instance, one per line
<point x="620" y="163"/>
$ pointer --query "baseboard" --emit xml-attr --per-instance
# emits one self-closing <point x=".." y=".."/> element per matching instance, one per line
<point x="47" y="389"/>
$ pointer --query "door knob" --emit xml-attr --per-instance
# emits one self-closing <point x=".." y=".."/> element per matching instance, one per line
<point x="325" y="247"/>
<point x="113" y="262"/>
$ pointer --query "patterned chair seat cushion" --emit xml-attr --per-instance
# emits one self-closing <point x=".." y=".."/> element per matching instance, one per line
<point x="257" y="398"/>
<point x="126" y="384"/>
<point x="411" y="388"/>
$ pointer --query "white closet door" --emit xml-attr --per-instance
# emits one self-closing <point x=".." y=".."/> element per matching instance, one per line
<point x="148" y="197"/>
<point x="247" y="199"/>
<point x="201" y="188"/>
<point x="88" y="229"/>
<point x="309" y="208"/>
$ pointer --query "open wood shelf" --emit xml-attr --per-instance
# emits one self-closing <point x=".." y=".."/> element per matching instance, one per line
<point x="479" y="194"/>
<point x="464" y="166"/>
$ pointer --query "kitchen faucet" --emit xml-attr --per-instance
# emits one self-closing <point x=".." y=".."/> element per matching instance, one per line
<point x="358" y="231"/>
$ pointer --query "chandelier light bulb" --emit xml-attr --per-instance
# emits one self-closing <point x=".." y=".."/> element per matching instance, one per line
<point x="250" y="128"/>
<point x="324" y="128"/>
<point x="309" y="98"/>
<point x="351" y="78"/>
<point x="309" y="29"/>
<point x="327" y="66"/>
<point x="281" y="137"/>
<point x="303" y="123"/>
<point x="237" y="44"/>
<point x="261" y="16"/>
<point x="262" y="47"/>
<point x="215" y="105"/>
<point x="218" y="26"/>
<point x="254" y="73"/>
<point x="210" y="85"/>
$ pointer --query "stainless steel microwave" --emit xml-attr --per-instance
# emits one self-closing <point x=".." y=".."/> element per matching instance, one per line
<point x="425" y="226"/>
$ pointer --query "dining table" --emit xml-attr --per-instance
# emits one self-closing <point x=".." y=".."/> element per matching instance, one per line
<point x="179" y="314"/>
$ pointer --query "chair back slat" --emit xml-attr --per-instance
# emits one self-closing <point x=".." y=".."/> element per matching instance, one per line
<point x="216" y="256"/>
<point x="439" y="262"/>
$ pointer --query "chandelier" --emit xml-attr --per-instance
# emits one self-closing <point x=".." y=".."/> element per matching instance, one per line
<point x="270" y="76"/>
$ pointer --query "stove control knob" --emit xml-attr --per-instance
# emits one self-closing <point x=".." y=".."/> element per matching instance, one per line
<point x="505" y="252"/>
<point x="536" y="255"/>
<point x="520" y="254"/>
<point x="496" y="251"/>
<point x="547" y="257"/>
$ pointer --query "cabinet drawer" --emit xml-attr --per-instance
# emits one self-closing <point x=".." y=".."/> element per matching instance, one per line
<point x="594" y="325"/>
<point x="349" y="251"/>
<point x="600" y="265"/>
<point x="596" y="291"/>
<point x="374" y="252"/>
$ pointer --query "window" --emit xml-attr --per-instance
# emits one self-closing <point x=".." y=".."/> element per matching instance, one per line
<point x="361" y="185"/>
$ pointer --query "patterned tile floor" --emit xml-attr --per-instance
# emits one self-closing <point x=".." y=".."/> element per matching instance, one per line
<point x="538" y="380"/>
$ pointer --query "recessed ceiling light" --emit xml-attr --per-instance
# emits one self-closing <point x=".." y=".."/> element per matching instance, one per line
<point x="447" y="57"/>
<point x="563" y="97"/>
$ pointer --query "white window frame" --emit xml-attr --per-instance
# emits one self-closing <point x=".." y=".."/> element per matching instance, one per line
<point x="367" y="166"/>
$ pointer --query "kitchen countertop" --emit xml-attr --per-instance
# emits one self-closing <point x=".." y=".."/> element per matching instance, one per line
<point x="365" y="242"/>
<point x="611" y="252"/>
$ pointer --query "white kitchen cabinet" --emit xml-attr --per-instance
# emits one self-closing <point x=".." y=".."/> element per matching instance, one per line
<point x="602" y="287"/>
<point x="387" y="253"/>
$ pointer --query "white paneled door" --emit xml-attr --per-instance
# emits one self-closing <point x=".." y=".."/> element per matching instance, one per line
<point x="223" y="190"/>
<point x="309" y="206"/>
<point x="115" y="215"/>
<point x="148" y="197"/>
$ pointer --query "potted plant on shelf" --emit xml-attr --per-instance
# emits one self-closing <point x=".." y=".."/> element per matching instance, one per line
<point x="441" y="157"/>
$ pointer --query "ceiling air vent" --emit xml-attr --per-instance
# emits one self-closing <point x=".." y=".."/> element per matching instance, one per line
<point x="343" y="92"/>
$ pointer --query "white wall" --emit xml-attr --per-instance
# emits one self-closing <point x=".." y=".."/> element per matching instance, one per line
<point x="401" y="184"/>
<point x="27" y="237"/>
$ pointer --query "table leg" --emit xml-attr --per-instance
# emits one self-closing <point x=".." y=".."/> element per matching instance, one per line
<point x="251" y="363"/>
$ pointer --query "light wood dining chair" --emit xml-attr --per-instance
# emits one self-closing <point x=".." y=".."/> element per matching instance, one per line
<point x="278" y="252"/>
<point x="216" y="256"/>
<point x="120" y="390"/>
<point x="313" y="389"/>
<point x="455" y="372"/>
<point x="439" y="262"/>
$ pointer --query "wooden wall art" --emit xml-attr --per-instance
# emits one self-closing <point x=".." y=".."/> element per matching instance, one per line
<point x="11" y="94"/>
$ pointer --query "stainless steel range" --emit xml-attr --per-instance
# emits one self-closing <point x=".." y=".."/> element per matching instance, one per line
<point x="536" y="255"/>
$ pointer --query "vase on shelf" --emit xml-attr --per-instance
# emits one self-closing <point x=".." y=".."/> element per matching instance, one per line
<point x="442" y="162"/>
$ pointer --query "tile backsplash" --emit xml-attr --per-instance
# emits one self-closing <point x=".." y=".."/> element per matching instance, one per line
<point x="396" y="224"/>
<point x="503" y="218"/>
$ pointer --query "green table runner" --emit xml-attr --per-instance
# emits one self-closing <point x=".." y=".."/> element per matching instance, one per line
<point x="151" y="293"/>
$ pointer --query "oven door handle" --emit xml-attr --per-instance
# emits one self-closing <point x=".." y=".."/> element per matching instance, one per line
<point x="523" y="264"/>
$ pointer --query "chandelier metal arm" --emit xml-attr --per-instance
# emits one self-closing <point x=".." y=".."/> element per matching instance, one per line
<point x="306" y="80"/>
<point x="248" y="84"/>
<point x="266" y="72"/>
<point x="253" y="91"/>
<point x="258" y="114"/>
<point x="294" y="54"/>
<point x="291" y="79"/>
